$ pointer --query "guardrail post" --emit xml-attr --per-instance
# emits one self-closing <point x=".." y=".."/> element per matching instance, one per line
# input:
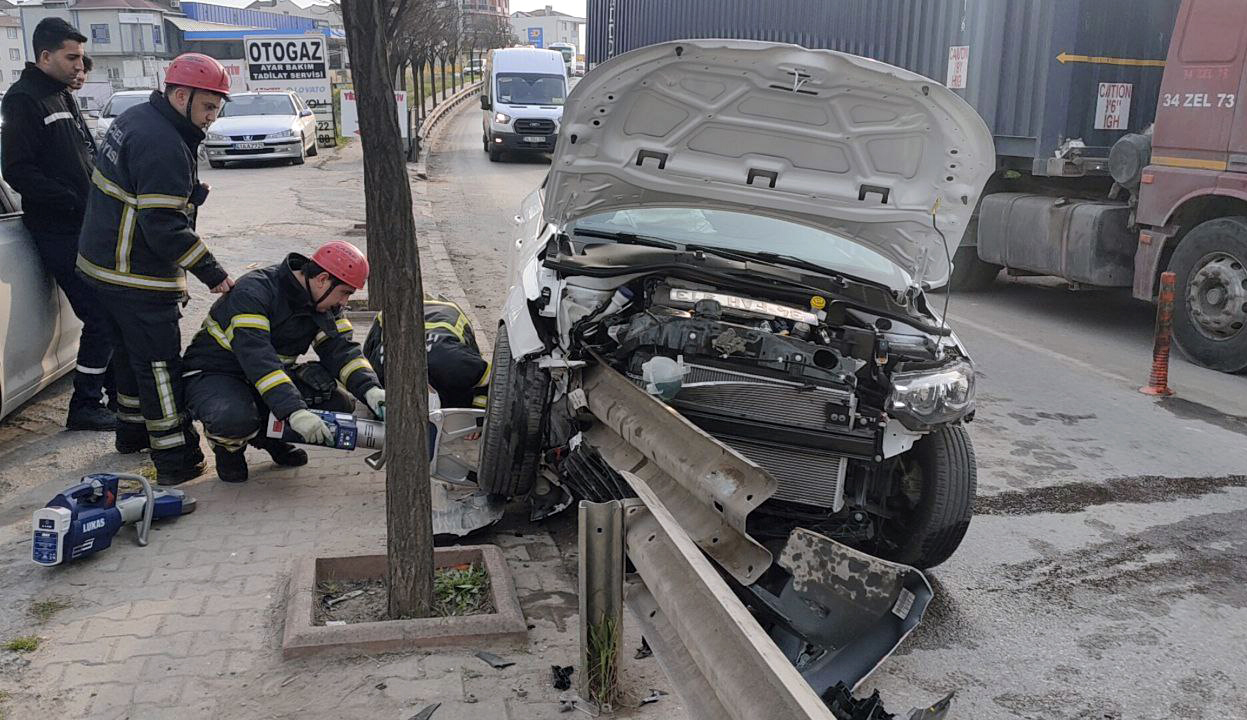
<point x="601" y="600"/>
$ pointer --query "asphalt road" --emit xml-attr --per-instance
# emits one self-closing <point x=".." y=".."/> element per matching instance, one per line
<point x="1105" y="573"/>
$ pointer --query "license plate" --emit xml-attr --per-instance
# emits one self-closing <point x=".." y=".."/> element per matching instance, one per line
<point x="532" y="139"/>
<point x="249" y="146"/>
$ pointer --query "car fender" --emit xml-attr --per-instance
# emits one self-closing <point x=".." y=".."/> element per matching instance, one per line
<point x="518" y="321"/>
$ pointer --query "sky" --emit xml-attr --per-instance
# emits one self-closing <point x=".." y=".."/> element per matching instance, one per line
<point x="571" y="7"/>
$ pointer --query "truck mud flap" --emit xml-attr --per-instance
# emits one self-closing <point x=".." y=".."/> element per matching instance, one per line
<point x="741" y="635"/>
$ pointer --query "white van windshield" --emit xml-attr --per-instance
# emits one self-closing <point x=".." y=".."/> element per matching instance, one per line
<point x="531" y="89"/>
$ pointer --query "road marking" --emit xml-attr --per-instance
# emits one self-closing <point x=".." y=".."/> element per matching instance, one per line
<point x="1065" y="57"/>
<point x="1049" y="352"/>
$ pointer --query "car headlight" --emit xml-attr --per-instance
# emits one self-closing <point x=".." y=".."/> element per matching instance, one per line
<point x="217" y="137"/>
<point x="502" y="119"/>
<point x="282" y="134"/>
<point x="929" y="397"/>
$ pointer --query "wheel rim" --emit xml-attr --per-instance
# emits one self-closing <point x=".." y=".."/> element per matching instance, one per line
<point x="1216" y="296"/>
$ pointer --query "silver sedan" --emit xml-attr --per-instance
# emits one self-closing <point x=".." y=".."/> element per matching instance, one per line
<point x="262" y="126"/>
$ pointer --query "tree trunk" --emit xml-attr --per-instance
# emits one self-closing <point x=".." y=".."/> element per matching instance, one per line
<point x="392" y="242"/>
<point x="443" y="77"/>
<point x="433" y="81"/>
<point x="418" y="69"/>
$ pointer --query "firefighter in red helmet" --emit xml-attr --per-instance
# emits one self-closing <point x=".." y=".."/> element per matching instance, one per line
<point x="243" y="364"/>
<point x="138" y="241"/>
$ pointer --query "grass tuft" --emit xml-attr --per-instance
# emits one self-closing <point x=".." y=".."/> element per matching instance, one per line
<point x="26" y="643"/>
<point x="43" y="610"/>
<point x="462" y="590"/>
<point x="602" y="677"/>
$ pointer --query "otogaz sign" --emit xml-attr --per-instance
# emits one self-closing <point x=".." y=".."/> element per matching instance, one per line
<point x="295" y="63"/>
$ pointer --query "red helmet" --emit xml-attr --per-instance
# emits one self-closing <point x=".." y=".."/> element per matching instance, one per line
<point x="343" y="261"/>
<point x="196" y="70"/>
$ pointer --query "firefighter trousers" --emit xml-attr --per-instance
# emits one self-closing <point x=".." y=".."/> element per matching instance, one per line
<point x="233" y="412"/>
<point x="59" y="252"/>
<point x="147" y="360"/>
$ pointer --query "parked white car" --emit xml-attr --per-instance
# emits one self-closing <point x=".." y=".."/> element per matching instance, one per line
<point x="38" y="329"/>
<point x="117" y="104"/>
<point x="262" y="126"/>
<point x="755" y="224"/>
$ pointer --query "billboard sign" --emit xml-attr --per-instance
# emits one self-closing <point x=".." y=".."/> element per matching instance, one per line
<point x="294" y="63"/>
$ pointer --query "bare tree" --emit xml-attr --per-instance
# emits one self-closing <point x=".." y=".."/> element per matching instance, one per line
<point x="396" y="261"/>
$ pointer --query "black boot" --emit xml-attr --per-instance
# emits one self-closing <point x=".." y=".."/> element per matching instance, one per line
<point x="130" y="440"/>
<point x="283" y="453"/>
<point x="178" y="475"/>
<point x="176" y="467"/>
<point x="231" y="466"/>
<point x="90" y="416"/>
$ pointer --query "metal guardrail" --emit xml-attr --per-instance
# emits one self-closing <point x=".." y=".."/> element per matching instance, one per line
<point x="438" y="114"/>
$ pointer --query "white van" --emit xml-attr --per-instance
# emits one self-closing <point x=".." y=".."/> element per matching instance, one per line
<point x="522" y="100"/>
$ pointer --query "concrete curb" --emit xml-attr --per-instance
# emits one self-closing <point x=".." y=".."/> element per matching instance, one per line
<point x="300" y="638"/>
<point x="438" y="254"/>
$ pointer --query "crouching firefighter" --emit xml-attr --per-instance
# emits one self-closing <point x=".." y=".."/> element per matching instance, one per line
<point x="241" y="365"/>
<point x="456" y="369"/>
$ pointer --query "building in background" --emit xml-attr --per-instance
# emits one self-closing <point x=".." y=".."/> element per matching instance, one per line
<point x="500" y="8"/>
<point x="127" y="39"/>
<point x="540" y="28"/>
<point x="12" y="49"/>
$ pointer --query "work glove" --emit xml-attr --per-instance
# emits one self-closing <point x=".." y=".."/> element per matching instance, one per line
<point x="375" y="397"/>
<point x="311" y="427"/>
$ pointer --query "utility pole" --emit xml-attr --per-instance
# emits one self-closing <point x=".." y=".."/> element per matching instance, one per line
<point x="394" y="257"/>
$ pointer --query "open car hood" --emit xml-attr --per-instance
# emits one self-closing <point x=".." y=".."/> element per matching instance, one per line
<point x="842" y="143"/>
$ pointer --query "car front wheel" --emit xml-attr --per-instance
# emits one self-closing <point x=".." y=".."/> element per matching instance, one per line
<point x="302" y="152"/>
<point x="933" y="488"/>
<point x="514" y="420"/>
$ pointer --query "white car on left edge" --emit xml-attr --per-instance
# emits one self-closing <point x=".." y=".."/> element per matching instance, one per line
<point x="262" y="126"/>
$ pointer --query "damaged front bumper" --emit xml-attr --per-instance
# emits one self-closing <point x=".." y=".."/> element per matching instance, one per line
<point x="804" y="629"/>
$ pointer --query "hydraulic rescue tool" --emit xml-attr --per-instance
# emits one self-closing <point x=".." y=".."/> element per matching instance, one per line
<point x="84" y="518"/>
<point x="348" y="432"/>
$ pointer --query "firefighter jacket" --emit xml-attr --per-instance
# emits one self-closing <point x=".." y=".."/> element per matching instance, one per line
<point x="456" y="369"/>
<point x="46" y="152"/>
<point x="257" y="330"/>
<point x="139" y="231"/>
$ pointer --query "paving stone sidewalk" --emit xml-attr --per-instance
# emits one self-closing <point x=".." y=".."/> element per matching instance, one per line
<point x="190" y="626"/>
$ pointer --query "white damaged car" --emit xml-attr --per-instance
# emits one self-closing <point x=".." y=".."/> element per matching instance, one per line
<point x="748" y="229"/>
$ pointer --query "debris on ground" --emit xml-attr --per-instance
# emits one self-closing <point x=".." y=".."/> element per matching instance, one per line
<point x="469" y="698"/>
<point x="644" y="651"/>
<point x="653" y="697"/>
<point x="494" y="661"/>
<point x="381" y="685"/>
<point x="562" y="676"/>
<point x="330" y="602"/>
<point x="426" y="713"/>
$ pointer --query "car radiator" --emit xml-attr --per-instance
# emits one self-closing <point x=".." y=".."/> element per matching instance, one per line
<point x="810" y="476"/>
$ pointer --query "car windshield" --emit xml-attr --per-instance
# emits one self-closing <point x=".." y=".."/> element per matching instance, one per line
<point x="240" y="105"/>
<point x="120" y="103"/>
<point x="751" y="233"/>
<point x="531" y="89"/>
<point x="567" y="53"/>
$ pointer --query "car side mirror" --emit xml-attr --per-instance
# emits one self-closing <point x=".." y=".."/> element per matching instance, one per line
<point x="93" y="114"/>
<point x="306" y="113"/>
<point x="485" y="104"/>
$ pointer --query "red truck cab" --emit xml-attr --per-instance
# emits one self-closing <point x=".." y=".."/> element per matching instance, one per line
<point x="1192" y="195"/>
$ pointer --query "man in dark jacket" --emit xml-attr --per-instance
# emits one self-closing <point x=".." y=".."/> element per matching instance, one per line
<point x="138" y="241"/>
<point x="241" y="365"/>
<point x="47" y="150"/>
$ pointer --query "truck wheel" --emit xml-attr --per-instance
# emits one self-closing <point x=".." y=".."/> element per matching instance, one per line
<point x="514" y="414"/>
<point x="937" y="479"/>
<point x="969" y="272"/>
<point x="1210" y="304"/>
<point x="494" y="154"/>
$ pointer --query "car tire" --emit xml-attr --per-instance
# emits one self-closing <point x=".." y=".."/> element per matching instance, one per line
<point x="314" y="150"/>
<point x="1213" y="254"/>
<point x="302" y="152"/>
<point x="485" y="142"/>
<point x="514" y="419"/>
<point x="931" y="529"/>
<point x="494" y="155"/>
<point x="216" y="164"/>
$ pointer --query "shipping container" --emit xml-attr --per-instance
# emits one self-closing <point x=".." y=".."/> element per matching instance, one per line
<point x="1057" y="81"/>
